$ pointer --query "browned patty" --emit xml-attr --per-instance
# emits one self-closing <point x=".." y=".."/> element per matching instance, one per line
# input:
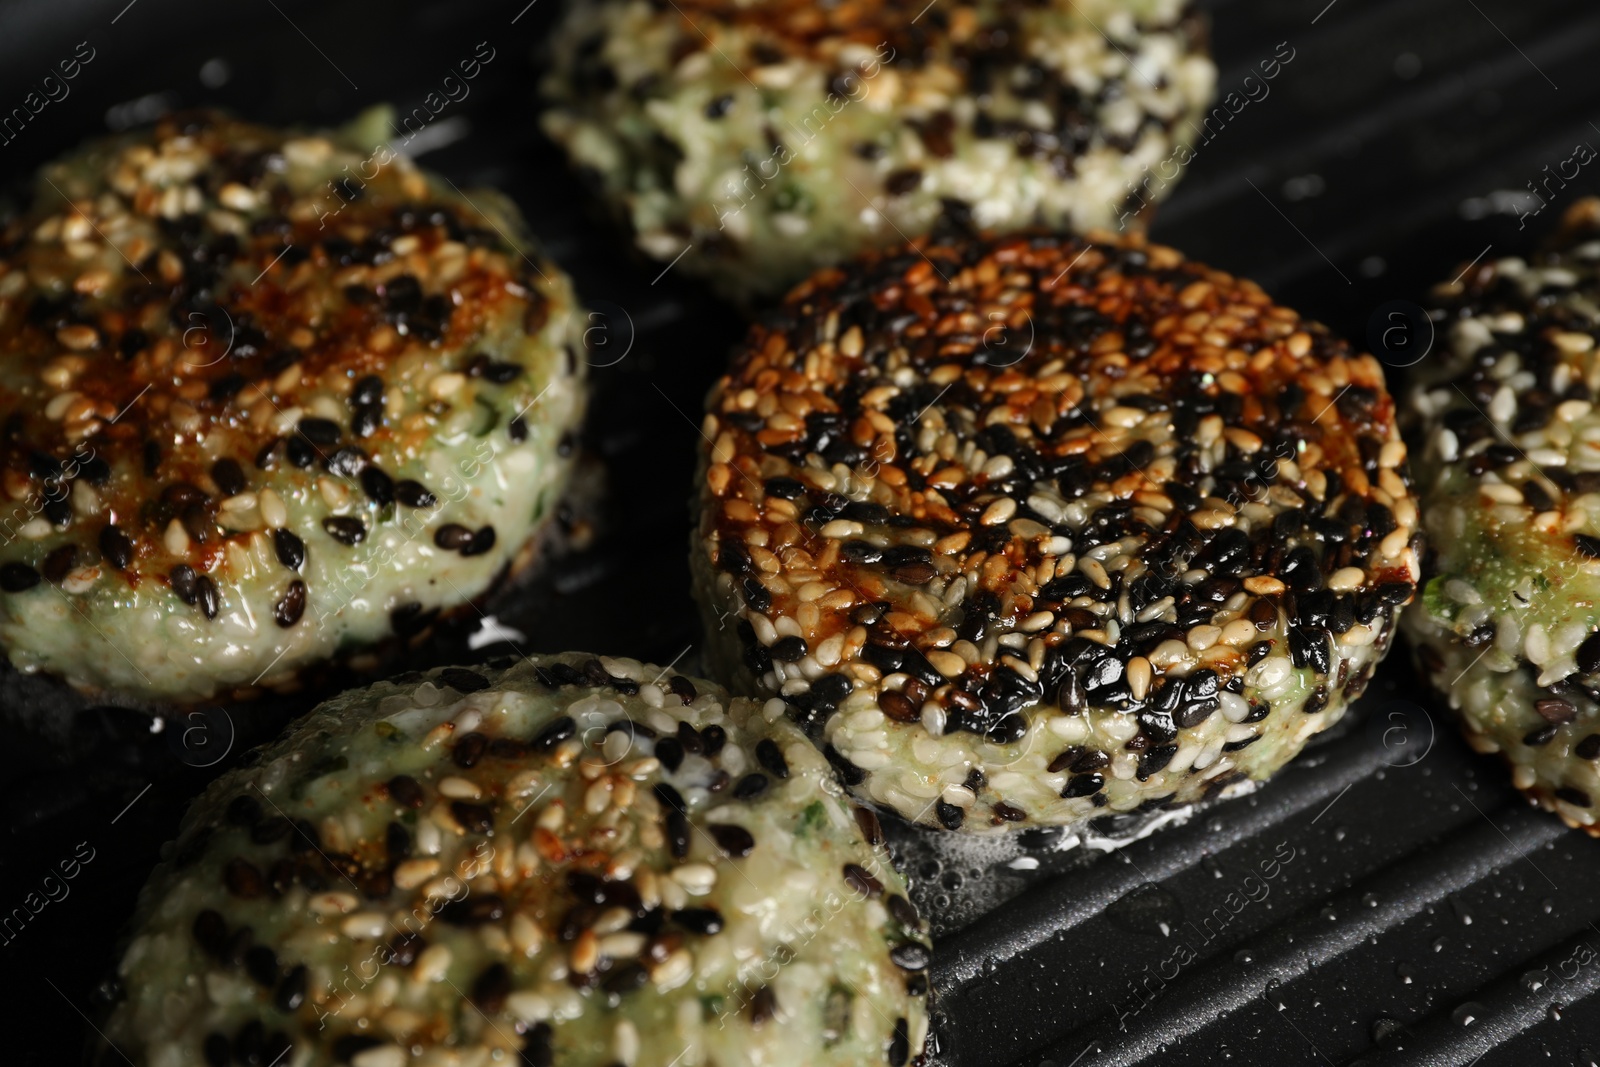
<point x="1053" y="504"/>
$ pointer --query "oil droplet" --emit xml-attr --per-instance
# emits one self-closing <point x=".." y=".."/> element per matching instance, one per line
<point x="1385" y="1028"/>
<point x="1468" y="1013"/>
<point x="1340" y="833"/>
<point x="1461" y="910"/>
<point x="1243" y="957"/>
<point x="1547" y="905"/>
<point x="1555" y="1013"/>
<point x="1330" y="915"/>
<point x="1439" y="943"/>
<point x="1404" y="972"/>
<point x="1533" y="981"/>
<point x="1370" y="899"/>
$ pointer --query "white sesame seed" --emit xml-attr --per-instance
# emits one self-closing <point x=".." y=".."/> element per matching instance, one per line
<point x="413" y="872"/>
<point x="432" y="964"/>
<point x="381" y="1056"/>
<point x="1139" y="677"/>
<point x="998" y="512"/>
<point x="329" y="904"/>
<point x="364" y="925"/>
<point x="1345" y="579"/>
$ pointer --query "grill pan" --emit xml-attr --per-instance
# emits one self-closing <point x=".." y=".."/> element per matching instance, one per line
<point x="1417" y="910"/>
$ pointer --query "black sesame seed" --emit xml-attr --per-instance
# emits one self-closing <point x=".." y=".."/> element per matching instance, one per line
<point x="871" y="828"/>
<point x="291" y="992"/>
<point x="849" y="772"/>
<point x="414" y="494"/>
<point x="677" y="833"/>
<point x="750" y="786"/>
<point x="861" y="880"/>
<point x="1308" y="648"/>
<point x="1587" y="545"/>
<point x="396" y="842"/>
<point x="1588" y="748"/>
<point x="116" y="547"/>
<point x="904" y="912"/>
<point x="536" y="1050"/>
<point x="405" y="948"/>
<point x="1588" y="654"/>
<point x="1083" y="785"/>
<point x="670" y="752"/>
<point x="300" y="452"/>
<point x="719" y="106"/>
<point x="899" y="1050"/>
<point x="208" y="595"/>
<point x="58" y="564"/>
<point x="319" y="431"/>
<point x="1154" y="760"/>
<point x="949" y="816"/>
<point x="1541" y="736"/>
<point x="17" y="577"/>
<point x="763" y="1006"/>
<point x="492" y="988"/>
<point x="210" y="932"/>
<point x="249" y="1044"/>
<point x="789" y="649"/>
<point x="406" y="791"/>
<point x="1576" y="797"/>
<point x="1064" y="759"/>
<point x="557" y="732"/>
<point x="367" y="390"/>
<point x="482" y="541"/>
<point x="345" y="529"/>
<point x="290" y="549"/>
<point x="261" y="964"/>
<point x="474" y="818"/>
<point x="378" y="486"/>
<point x="464" y="681"/>
<point x="683" y="689"/>
<point x="910" y="956"/>
<point x="699" y="920"/>
<point x="469" y="750"/>
<point x="287" y="611"/>
<point x="229" y="477"/>
<point x="476" y="910"/>
<point x="1555" y="710"/>
<point x="350" y="1046"/>
<point x="734" y="840"/>
<point x="186" y="583"/>
<point x="517" y="429"/>
<point x="770" y="756"/>
<point x="713" y="738"/>
<point x="452" y="537"/>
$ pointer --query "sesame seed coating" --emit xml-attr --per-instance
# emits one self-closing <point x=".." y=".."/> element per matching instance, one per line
<point x="1506" y="426"/>
<point x="1026" y="529"/>
<point x="759" y="141"/>
<point x="480" y="866"/>
<point x="224" y="350"/>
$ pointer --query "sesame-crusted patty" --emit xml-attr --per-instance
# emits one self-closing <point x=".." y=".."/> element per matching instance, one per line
<point x="1028" y="529"/>
<point x="574" y="862"/>
<point x="265" y="398"/>
<point x="1509" y="470"/>
<point x="761" y="140"/>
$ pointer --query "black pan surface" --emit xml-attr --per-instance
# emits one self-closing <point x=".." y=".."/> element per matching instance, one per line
<point x="1418" y="911"/>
